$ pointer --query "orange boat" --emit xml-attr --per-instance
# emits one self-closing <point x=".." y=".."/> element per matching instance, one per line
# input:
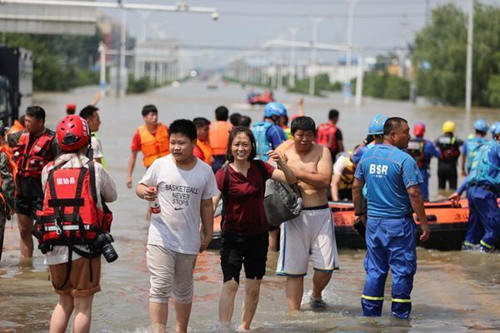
<point x="448" y="225"/>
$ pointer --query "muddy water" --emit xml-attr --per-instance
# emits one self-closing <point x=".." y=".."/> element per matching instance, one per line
<point x="453" y="291"/>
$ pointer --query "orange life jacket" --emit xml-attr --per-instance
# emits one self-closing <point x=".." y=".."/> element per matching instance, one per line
<point x="153" y="147"/>
<point x="30" y="163"/>
<point x="70" y="215"/>
<point x="326" y="136"/>
<point x="205" y="149"/>
<point x="16" y="127"/>
<point x="219" y="136"/>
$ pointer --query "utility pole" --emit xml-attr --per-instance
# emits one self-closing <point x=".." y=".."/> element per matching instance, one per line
<point x="102" y="60"/>
<point x="121" y="52"/>
<point x="349" y="48"/>
<point x="291" y="68"/>
<point x="470" y="44"/>
<point x="314" y="41"/>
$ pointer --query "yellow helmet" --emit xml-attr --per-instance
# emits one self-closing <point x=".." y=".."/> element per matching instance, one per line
<point x="449" y="126"/>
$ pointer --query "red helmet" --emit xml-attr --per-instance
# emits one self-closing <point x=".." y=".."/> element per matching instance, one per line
<point x="70" y="108"/>
<point x="72" y="133"/>
<point x="419" y="130"/>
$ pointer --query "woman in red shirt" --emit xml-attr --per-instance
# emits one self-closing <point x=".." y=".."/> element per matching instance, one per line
<point x="244" y="225"/>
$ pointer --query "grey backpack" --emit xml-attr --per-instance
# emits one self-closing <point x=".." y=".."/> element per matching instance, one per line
<point x="282" y="202"/>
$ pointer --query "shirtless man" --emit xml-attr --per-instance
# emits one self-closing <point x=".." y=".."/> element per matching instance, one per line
<point x="311" y="234"/>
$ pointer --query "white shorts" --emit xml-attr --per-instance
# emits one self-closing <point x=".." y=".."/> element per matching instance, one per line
<point x="171" y="273"/>
<point x="311" y="234"/>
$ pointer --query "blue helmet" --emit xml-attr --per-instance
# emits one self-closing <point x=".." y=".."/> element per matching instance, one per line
<point x="377" y="125"/>
<point x="274" y="109"/>
<point x="481" y="125"/>
<point x="495" y="129"/>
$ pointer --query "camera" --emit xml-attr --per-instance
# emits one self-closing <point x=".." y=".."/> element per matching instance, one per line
<point x="103" y="244"/>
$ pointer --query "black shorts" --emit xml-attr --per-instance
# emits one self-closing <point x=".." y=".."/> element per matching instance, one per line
<point x="29" y="196"/>
<point x="250" y="251"/>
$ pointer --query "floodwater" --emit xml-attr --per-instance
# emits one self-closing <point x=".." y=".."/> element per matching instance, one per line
<point x="453" y="291"/>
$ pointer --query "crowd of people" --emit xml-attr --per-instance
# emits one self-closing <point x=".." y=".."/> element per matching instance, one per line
<point x="58" y="185"/>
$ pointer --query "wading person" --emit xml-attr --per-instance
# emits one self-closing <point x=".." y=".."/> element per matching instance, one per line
<point x="268" y="135"/>
<point x="392" y="179"/>
<point x="151" y="139"/>
<point x="311" y="234"/>
<point x="422" y="151"/>
<point x="244" y="226"/>
<point x="7" y="188"/>
<point x="89" y="113"/>
<point x="330" y="136"/>
<point x="202" y="150"/>
<point x="483" y="188"/>
<point x="33" y="150"/>
<point x="184" y="187"/>
<point x="74" y="258"/>
<point x="218" y="135"/>
<point x="449" y="147"/>
<point x="472" y="144"/>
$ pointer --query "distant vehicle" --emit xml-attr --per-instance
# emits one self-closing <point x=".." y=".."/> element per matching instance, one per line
<point x="16" y="82"/>
<point x="260" y="99"/>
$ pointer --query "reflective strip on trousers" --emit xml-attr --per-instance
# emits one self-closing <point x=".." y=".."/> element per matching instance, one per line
<point x="483" y="243"/>
<point x="401" y="300"/>
<point x="372" y="298"/>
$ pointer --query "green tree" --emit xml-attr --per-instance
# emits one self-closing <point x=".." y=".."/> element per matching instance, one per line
<point x="439" y="53"/>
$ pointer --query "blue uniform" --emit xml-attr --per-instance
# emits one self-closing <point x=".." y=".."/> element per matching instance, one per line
<point x="267" y="136"/>
<point x="391" y="231"/>
<point x="422" y="151"/>
<point x="470" y="148"/>
<point x="483" y="188"/>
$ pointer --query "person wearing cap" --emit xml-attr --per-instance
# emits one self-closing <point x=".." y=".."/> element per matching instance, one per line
<point x="422" y="151"/>
<point x="472" y="144"/>
<point x="75" y="270"/>
<point x="268" y="135"/>
<point x="70" y="108"/>
<point x="483" y="188"/>
<point x="392" y="178"/>
<point x="449" y="148"/>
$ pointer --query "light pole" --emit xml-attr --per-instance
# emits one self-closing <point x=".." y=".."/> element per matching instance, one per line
<point x="291" y="69"/>
<point x="468" y="75"/>
<point x="314" y="41"/>
<point x="349" y="49"/>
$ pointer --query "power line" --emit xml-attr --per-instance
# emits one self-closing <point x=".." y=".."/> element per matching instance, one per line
<point x="323" y="15"/>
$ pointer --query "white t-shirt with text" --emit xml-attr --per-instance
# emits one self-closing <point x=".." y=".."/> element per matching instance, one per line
<point x="180" y="192"/>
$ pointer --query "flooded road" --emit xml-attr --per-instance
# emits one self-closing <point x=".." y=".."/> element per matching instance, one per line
<point x="453" y="291"/>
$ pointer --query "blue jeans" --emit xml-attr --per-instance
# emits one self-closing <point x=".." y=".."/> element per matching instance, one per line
<point x="390" y="243"/>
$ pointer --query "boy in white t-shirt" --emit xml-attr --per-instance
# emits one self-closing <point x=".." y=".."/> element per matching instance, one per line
<point x="184" y="187"/>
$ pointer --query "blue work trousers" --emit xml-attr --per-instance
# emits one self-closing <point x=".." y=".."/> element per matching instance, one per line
<point x="484" y="217"/>
<point x="390" y="242"/>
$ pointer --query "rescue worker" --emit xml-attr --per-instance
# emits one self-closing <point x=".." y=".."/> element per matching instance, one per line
<point x="483" y="188"/>
<point x="393" y="179"/>
<point x="330" y="136"/>
<point x="70" y="108"/>
<point x="422" y="151"/>
<point x="268" y="135"/>
<point x="7" y="189"/>
<point x="449" y="148"/>
<point x="73" y="225"/>
<point x="343" y="177"/>
<point x="202" y="150"/>
<point x="151" y="139"/>
<point x="33" y="150"/>
<point x="472" y="145"/>
<point x="17" y="126"/>
<point x="90" y="115"/>
<point x="218" y="136"/>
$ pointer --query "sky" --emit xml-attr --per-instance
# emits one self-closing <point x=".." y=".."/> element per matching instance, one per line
<point x="379" y="26"/>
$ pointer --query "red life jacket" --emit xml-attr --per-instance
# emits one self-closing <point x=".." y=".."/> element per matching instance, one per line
<point x="326" y="136"/>
<point x="416" y="150"/>
<point x="30" y="163"/>
<point x="70" y="215"/>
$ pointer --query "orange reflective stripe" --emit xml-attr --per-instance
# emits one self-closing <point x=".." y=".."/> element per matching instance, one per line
<point x="153" y="146"/>
<point x="218" y="137"/>
<point x="206" y="150"/>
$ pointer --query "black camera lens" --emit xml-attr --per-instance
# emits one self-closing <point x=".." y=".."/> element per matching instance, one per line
<point x="109" y="252"/>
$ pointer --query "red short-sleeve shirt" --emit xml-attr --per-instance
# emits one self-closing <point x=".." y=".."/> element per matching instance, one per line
<point x="245" y="199"/>
<point x="136" y="142"/>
